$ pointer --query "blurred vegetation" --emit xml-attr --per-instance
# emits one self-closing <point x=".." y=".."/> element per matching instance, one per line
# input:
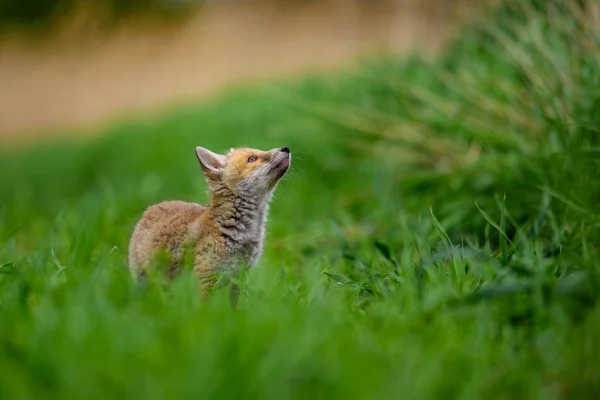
<point x="43" y="14"/>
<point x="437" y="236"/>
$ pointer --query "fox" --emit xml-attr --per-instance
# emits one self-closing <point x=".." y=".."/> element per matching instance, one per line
<point x="222" y="236"/>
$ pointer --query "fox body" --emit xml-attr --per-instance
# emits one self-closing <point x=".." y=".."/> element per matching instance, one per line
<point x="224" y="235"/>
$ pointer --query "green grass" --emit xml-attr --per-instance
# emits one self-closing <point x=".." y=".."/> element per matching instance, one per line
<point x="437" y="236"/>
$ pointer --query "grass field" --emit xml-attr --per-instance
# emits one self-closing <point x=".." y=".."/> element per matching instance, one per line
<point x="437" y="236"/>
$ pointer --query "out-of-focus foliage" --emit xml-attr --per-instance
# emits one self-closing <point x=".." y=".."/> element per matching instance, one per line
<point x="44" y="13"/>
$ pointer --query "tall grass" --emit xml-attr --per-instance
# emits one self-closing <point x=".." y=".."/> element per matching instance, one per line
<point x="437" y="236"/>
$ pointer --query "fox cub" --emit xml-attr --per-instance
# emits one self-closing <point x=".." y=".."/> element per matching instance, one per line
<point x="225" y="234"/>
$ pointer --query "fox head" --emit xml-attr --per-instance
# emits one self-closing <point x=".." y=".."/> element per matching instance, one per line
<point x="244" y="172"/>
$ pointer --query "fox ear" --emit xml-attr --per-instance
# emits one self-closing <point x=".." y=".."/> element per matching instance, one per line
<point x="211" y="163"/>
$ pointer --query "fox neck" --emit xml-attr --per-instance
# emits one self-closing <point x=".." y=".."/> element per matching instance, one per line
<point x="240" y="219"/>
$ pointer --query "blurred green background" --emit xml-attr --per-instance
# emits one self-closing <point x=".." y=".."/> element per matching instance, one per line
<point x="436" y="237"/>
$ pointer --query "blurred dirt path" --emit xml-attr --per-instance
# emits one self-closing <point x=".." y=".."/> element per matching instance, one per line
<point x="77" y="82"/>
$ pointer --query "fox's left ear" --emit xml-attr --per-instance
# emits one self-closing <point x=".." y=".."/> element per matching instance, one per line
<point x="212" y="163"/>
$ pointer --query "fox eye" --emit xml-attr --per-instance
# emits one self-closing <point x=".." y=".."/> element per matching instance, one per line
<point x="251" y="159"/>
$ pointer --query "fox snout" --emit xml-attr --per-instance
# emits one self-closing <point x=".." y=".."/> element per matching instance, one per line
<point x="281" y="152"/>
<point x="281" y="161"/>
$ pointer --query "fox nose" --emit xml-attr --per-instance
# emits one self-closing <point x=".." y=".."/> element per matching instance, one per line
<point x="285" y="149"/>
